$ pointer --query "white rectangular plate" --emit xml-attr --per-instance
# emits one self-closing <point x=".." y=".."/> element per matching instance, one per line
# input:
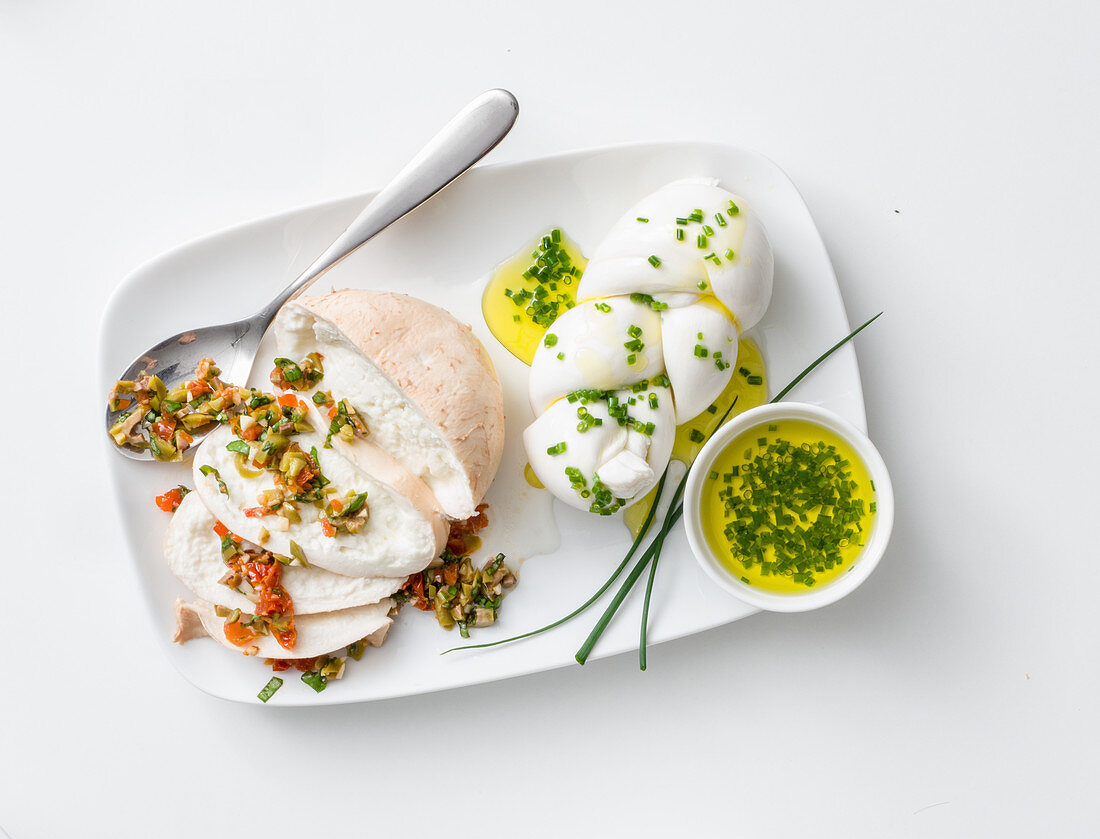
<point x="443" y="252"/>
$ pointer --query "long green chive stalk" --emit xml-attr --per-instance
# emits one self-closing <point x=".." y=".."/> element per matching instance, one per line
<point x="661" y="537"/>
<point x="823" y="356"/>
<point x="651" y="553"/>
<point x="672" y="516"/>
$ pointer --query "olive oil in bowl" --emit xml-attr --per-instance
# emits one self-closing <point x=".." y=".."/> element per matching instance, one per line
<point x="789" y="507"/>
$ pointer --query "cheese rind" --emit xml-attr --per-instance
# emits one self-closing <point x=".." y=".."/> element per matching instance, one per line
<point x="419" y="378"/>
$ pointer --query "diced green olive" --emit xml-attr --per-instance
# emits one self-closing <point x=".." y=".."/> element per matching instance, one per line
<point x="275" y="442"/>
<point x="241" y="462"/>
<point x="298" y="554"/>
<point x="117" y="433"/>
<point x="292" y="463"/>
<point x="162" y="449"/>
<point x="444" y="616"/>
<point x="194" y="421"/>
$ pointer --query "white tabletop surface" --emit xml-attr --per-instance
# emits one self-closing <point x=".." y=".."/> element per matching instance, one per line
<point x="948" y="154"/>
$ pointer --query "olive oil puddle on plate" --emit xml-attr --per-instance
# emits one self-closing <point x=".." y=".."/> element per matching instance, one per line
<point x="528" y="291"/>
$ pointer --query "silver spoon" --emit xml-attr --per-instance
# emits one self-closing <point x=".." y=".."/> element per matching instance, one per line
<point x="463" y="142"/>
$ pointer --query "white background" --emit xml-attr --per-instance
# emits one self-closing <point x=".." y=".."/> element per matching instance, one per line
<point x="948" y="152"/>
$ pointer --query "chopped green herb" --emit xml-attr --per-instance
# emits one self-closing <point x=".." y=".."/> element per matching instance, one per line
<point x="210" y="470"/>
<point x="270" y="689"/>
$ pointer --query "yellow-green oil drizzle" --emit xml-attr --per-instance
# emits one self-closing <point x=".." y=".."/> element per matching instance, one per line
<point x="691" y="436"/>
<point x="531" y="478"/>
<point x="838" y="462"/>
<point x="529" y="290"/>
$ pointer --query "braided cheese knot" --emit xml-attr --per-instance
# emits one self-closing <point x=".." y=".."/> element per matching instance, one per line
<point x="651" y="343"/>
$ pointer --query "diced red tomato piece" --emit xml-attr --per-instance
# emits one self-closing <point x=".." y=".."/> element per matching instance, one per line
<point x="164" y="427"/>
<point x="170" y="501"/>
<point x="239" y="635"/>
<point x="289" y="400"/>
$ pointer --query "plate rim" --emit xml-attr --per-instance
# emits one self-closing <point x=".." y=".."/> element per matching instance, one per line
<point x="132" y="281"/>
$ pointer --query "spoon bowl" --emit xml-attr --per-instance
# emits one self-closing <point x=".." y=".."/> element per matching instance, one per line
<point x="467" y="138"/>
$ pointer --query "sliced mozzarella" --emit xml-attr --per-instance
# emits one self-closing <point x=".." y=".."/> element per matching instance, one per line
<point x="744" y="285"/>
<point x="622" y="264"/>
<point x="700" y="348"/>
<point x="318" y="634"/>
<point x="419" y="378"/>
<point x="397" y="539"/>
<point x="585" y="349"/>
<point x="628" y="462"/>
<point x="193" y="552"/>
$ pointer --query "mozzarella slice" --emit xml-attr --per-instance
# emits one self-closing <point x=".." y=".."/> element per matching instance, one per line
<point x="696" y="264"/>
<point x="317" y="634"/>
<point x="700" y="348"/>
<point x="193" y="552"/>
<point x="419" y="378"/>
<point x="585" y="349"/>
<point x="397" y="539"/>
<point x="626" y="461"/>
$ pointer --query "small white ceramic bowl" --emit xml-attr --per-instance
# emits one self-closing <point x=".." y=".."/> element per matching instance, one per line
<point x="864" y="563"/>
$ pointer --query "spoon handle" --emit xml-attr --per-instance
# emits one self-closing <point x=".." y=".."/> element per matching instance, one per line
<point x="463" y="142"/>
